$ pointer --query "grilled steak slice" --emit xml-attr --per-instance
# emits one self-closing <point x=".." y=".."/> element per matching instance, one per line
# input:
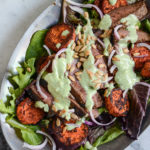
<point x="78" y="91"/>
<point x="42" y="62"/>
<point x="80" y="111"/>
<point x="35" y="95"/>
<point x="142" y="36"/>
<point x="139" y="9"/>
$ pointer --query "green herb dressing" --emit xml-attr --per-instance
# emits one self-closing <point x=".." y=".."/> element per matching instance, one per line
<point x="70" y="127"/>
<point x="40" y="104"/>
<point x="106" y="22"/>
<point x="59" y="84"/>
<point x="110" y="87"/>
<point x="65" y="33"/>
<point x="131" y="1"/>
<point x="112" y="2"/>
<point x="58" y="45"/>
<point x="131" y="22"/>
<point x="125" y="76"/>
<point x="85" y="81"/>
<point x="106" y="43"/>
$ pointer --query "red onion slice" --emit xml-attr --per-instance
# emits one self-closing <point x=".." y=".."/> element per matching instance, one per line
<point x="125" y="93"/>
<point x="144" y="45"/>
<point x="35" y="147"/>
<point x="109" y="79"/>
<point x="113" y="68"/>
<point x="77" y="9"/>
<point x="38" y="80"/>
<point x="57" y="54"/>
<point x="49" y="137"/>
<point x="116" y="32"/>
<point x="140" y="56"/>
<point x="101" y="42"/>
<point x="144" y="83"/>
<point x="110" y="57"/>
<point x="40" y="74"/>
<point x="86" y="6"/>
<point x="71" y="110"/>
<point x="47" y="49"/>
<point x="98" y="123"/>
<point x="88" y="123"/>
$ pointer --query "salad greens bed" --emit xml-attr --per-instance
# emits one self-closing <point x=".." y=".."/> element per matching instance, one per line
<point x="24" y="77"/>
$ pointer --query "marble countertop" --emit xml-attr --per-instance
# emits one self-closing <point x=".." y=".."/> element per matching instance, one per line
<point x="15" y="18"/>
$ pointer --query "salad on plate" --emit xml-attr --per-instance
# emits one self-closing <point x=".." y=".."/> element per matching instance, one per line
<point x="84" y="81"/>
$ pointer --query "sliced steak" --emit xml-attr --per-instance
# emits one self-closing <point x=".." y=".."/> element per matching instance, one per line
<point x="42" y="62"/>
<point x="80" y="111"/>
<point x="78" y="91"/>
<point x="142" y="36"/>
<point x="139" y="9"/>
<point x="35" y="95"/>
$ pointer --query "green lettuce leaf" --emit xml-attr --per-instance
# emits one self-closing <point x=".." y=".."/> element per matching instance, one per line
<point x="28" y="132"/>
<point x="10" y="107"/>
<point x="145" y="25"/>
<point x="20" y="81"/>
<point x="23" y="78"/>
<point x="35" y="48"/>
<point x="109" y="135"/>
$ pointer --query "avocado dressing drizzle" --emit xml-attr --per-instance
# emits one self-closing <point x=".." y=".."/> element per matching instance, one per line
<point x="88" y="66"/>
<point x="112" y="2"/>
<point x="59" y="84"/>
<point x="125" y="76"/>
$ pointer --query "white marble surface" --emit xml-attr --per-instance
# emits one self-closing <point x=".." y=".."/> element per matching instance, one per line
<point x="15" y="18"/>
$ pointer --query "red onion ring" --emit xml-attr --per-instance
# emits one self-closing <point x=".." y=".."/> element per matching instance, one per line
<point x="124" y="93"/>
<point x="40" y="74"/>
<point x="57" y="54"/>
<point x="35" y="147"/>
<point x="116" y="32"/>
<point x="47" y="49"/>
<point x="38" y="80"/>
<point x="86" y="6"/>
<point x="113" y="68"/>
<point x="98" y="123"/>
<point x="140" y="56"/>
<point x="143" y="83"/>
<point x="144" y="45"/>
<point x="88" y="123"/>
<point x="110" y="57"/>
<point x="49" y="137"/>
<point x="101" y="42"/>
<point x="109" y="79"/>
<point x="77" y="9"/>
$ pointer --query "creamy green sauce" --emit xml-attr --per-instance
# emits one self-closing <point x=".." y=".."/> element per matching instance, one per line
<point x="76" y="125"/>
<point x="58" y="45"/>
<point x="65" y="33"/>
<point x="106" y="22"/>
<point x="131" y="1"/>
<point x="88" y="65"/>
<point x="110" y="87"/>
<point x="59" y="84"/>
<point x="112" y="2"/>
<point x="131" y="22"/>
<point x="41" y="105"/>
<point x="89" y="146"/>
<point x="106" y="43"/>
<point x="125" y="76"/>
